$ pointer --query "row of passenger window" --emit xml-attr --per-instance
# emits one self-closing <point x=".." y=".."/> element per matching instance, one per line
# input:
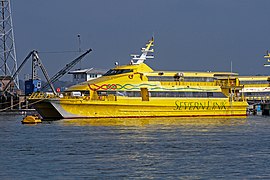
<point x="164" y="94"/>
<point x="177" y="78"/>
<point x="76" y="93"/>
<point x="187" y="94"/>
<point x="249" y="94"/>
<point x="254" y="82"/>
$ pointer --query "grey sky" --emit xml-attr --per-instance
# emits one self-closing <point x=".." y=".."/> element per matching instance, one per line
<point x="189" y="34"/>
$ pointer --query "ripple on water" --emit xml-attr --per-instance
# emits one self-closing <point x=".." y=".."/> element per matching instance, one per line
<point x="216" y="148"/>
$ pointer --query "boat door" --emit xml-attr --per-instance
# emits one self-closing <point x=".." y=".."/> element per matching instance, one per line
<point x="145" y="94"/>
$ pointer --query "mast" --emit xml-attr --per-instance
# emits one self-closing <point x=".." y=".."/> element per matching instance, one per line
<point x="8" y="62"/>
<point x="267" y="56"/>
<point x="144" y="55"/>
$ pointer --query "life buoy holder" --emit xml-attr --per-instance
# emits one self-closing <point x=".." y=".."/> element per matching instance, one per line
<point x="130" y="76"/>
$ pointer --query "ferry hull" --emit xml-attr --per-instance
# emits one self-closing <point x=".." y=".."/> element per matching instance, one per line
<point x="74" y="109"/>
<point x="47" y="110"/>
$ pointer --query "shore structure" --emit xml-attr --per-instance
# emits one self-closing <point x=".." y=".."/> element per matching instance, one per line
<point x="137" y="91"/>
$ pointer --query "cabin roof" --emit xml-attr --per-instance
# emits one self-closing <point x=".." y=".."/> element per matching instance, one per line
<point x="88" y="71"/>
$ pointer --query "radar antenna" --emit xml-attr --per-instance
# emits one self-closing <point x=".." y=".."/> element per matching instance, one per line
<point x="138" y="60"/>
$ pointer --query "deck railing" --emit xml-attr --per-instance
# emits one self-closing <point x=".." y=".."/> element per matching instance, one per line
<point x="41" y="95"/>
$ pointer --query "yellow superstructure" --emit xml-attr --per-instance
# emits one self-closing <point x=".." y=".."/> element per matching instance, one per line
<point x="137" y="91"/>
<point x="255" y="88"/>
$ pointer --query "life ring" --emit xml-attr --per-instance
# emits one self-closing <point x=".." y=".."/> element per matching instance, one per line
<point x="179" y="74"/>
<point x="130" y="76"/>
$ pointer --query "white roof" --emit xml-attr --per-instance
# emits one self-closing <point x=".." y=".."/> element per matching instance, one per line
<point x="88" y="71"/>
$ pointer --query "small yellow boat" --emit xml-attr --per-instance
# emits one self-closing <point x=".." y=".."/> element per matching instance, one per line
<point x="137" y="91"/>
<point x="31" y="119"/>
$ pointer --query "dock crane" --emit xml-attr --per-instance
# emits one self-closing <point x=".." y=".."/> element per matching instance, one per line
<point x="65" y="69"/>
<point x="36" y="61"/>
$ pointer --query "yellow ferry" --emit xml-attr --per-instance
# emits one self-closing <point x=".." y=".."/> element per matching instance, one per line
<point x="137" y="91"/>
<point x="255" y="88"/>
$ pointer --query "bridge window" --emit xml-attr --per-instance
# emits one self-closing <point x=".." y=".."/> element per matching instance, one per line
<point x="117" y="71"/>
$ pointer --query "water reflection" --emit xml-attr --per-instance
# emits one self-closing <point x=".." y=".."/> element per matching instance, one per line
<point x="154" y="121"/>
<point x="164" y="148"/>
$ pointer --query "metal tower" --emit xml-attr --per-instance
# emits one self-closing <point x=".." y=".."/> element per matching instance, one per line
<point x="8" y="63"/>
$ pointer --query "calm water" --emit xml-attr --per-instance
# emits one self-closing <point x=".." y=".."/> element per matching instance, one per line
<point x="217" y="149"/>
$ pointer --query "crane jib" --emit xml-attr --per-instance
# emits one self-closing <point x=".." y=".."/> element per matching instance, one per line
<point x="57" y="76"/>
